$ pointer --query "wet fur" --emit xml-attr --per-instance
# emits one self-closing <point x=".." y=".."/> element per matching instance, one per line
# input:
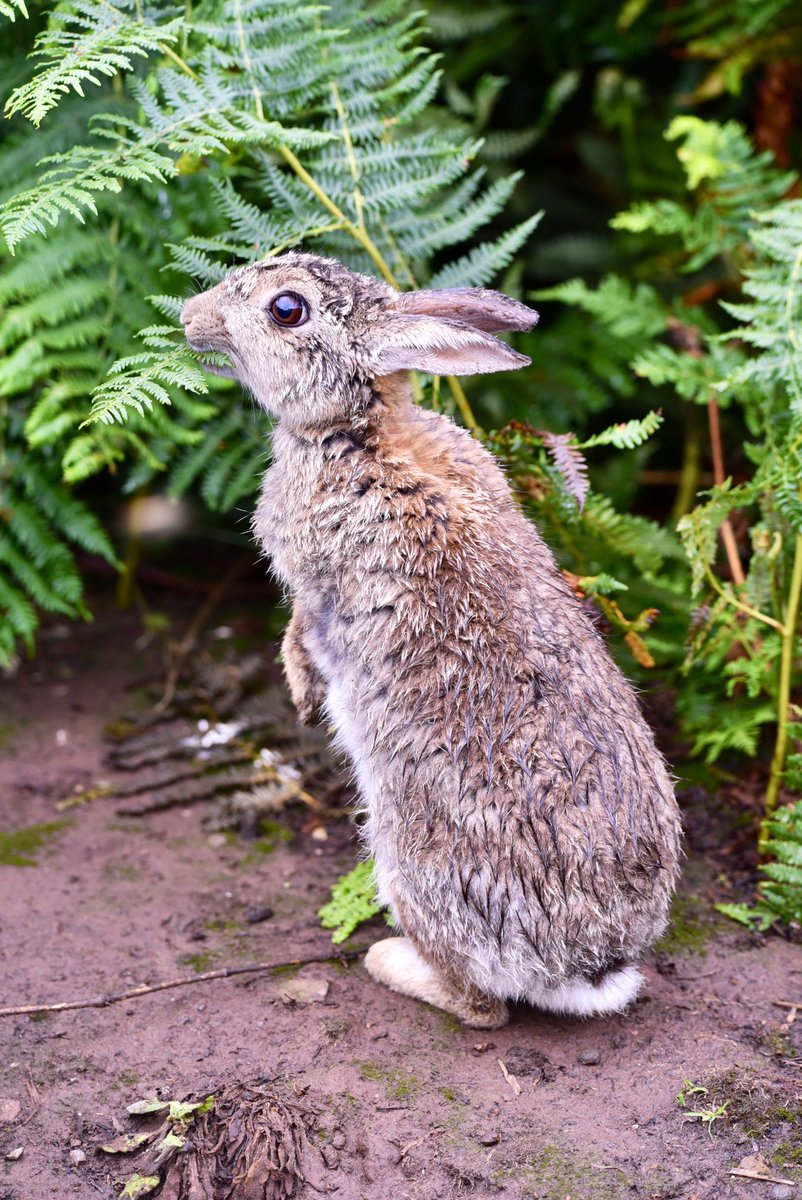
<point x="523" y="824"/>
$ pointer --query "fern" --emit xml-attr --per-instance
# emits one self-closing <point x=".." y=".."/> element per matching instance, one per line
<point x="570" y="462"/>
<point x="353" y="901"/>
<point x="627" y="434"/>
<point x="85" y="44"/>
<point x="731" y="182"/>
<point x="12" y="9"/>
<point x="39" y="568"/>
<point x="780" y="889"/>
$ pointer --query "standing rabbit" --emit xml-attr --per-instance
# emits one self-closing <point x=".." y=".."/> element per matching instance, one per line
<point x="523" y="825"/>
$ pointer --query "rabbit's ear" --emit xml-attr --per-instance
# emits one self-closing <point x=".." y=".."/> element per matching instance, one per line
<point x="440" y="347"/>
<point x="479" y="307"/>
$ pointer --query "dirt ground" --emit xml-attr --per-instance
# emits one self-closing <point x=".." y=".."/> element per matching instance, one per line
<point x="398" y="1101"/>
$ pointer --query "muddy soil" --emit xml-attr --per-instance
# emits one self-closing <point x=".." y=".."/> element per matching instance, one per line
<point x="399" y="1102"/>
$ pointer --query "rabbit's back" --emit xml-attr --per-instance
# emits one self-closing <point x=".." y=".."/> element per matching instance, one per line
<point x="516" y="805"/>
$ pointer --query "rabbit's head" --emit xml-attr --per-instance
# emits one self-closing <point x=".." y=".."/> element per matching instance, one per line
<point x="308" y="337"/>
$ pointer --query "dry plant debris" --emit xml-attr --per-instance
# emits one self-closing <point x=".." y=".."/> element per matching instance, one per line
<point x="227" y="735"/>
<point x="240" y="1143"/>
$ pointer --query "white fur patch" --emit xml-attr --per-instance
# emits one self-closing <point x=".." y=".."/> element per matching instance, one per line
<point x="396" y="963"/>
<point x="585" y="999"/>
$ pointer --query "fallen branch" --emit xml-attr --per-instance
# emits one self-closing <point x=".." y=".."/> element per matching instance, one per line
<point x="146" y="989"/>
<point x="760" y="1176"/>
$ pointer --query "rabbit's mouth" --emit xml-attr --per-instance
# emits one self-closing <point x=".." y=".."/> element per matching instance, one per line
<point x="220" y="366"/>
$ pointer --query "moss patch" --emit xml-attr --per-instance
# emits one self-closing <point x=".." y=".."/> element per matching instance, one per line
<point x="757" y="1105"/>
<point x="271" y="835"/>
<point x="19" y="849"/>
<point x="449" y="1023"/>
<point x="690" y="929"/>
<point x="398" y="1083"/>
<point x="200" y="962"/>
<point x="788" y="1156"/>
<point x="554" y="1174"/>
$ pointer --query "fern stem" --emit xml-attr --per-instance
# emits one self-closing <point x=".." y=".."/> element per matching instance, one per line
<point x="358" y="231"/>
<point x="727" y="535"/>
<point x="353" y="165"/>
<point x="690" y="471"/>
<point x="179" y="62"/>
<point x="727" y="595"/>
<point x="360" y="235"/>
<point x="463" y="404"/>
<point x="247" y="60"/>
<point x="784" y="695"/>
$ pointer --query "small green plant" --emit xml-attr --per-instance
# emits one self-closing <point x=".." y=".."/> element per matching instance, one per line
<point x="353" y="901"/>
<point x="689" y="1088"/>
<point x="706" y="1115"/>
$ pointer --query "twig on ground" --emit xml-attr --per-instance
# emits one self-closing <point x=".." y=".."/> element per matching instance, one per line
<point x="511" y="1080"/>
<point x="146" y="989"/>
<point x="183" y="648"/>
<point x="760" y="1177"/>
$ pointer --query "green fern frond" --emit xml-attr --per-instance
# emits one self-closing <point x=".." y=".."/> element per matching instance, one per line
<point x="627" y="434"/>
<point x="12" y="9"/>
<point x="482" y="264"/>
<point x="139" y="381"/>
<point x="632" y="313"/>
<point x="90" y="42"/>
<point x="353" y="901"/>
<point x="780" y="889"/>
<point x="71" y="185"/>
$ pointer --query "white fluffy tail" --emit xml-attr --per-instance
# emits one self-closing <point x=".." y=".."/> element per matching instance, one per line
<point x="583" y="998"/>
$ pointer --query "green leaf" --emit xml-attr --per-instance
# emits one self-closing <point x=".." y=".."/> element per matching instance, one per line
<point x="141" y="1107"/>
<point x="139" y="1185"/>
<point x="353" y="901"/>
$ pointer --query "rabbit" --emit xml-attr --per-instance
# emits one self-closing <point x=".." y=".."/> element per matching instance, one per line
<point x="523" y="825"/>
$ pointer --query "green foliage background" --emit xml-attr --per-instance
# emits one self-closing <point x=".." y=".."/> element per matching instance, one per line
<point x="148" y="148"/>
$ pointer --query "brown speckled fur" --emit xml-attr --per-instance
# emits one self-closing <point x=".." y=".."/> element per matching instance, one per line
<point x="523" y="824"/>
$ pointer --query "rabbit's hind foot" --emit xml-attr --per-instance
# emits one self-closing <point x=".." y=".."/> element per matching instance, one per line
<point x="397" y="964"/>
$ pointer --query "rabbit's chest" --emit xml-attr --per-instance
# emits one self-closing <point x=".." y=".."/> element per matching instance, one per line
<point x="301" y="521"/>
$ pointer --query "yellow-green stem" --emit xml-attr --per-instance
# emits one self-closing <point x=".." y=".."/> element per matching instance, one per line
<point x="716" y="584"/>
<point x="691" y="468"/>
<point x="179" y="62"/>
<point x="360" y="235"/>
<point x="376" y="258"/>
<point x="463" y="404"/>
<point x="784" y="697"/>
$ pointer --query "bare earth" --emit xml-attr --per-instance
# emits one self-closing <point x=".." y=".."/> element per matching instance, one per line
<point x="398" y="1101"/>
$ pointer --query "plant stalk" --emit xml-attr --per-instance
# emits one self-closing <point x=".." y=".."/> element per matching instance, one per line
<point x="784" y="696"/>
<point x="690" y="471"/>
<point x="727" y="535"/>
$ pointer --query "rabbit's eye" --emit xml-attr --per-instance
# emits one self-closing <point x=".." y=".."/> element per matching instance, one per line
<point x="288" y="308"/>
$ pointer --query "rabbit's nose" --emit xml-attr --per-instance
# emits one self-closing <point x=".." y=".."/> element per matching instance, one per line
<point x="186" y="311"/>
